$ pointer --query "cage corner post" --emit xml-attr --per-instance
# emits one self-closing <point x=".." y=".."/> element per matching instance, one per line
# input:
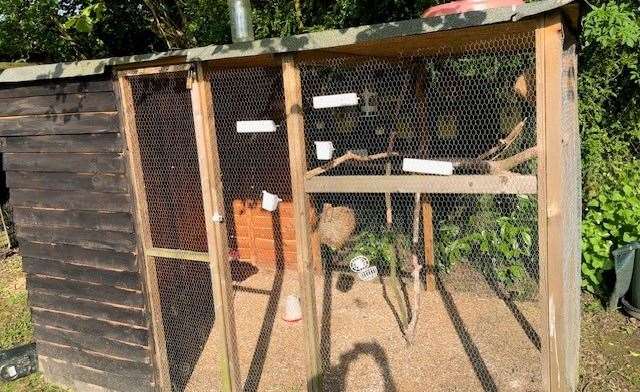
<point x="558" y="199"/>
<point x="209" y="163"/>
<point x="297" y="162"/>
<point x="140" y="213"/>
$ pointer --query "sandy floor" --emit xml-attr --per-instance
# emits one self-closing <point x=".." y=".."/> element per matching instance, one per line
<point x="463" y="343"/>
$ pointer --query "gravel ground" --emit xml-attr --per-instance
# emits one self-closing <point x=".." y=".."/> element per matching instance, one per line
<point x="464" y="342"/>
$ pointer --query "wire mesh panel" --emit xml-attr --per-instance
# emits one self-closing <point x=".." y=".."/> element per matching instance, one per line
<point x="169" y="160"/>
<point x="252" y="144"/>
<point x="468" y="112"/>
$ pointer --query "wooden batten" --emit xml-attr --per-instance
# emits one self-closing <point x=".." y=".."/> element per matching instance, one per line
<point x="301" y="205"/>
<point x="141" y="213"/>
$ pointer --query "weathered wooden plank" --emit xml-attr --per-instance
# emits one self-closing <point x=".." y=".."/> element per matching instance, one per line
<point x="109" y="364"/>
<point x="92" y="239"/>
<point x="79" y="255"/>
<point x="82" y="307"/>
<point x="82" y="378"/>
<point x="61" y="162"/>
<point x="91" y="291"/>
<point x="90" y="326"/>
<point x="91" y="201"/>
<point x="60" y="269"/>
<point x="93" y="142"/>
<point x="63" y="124"/>
<point x="56" y="104"/>
<point x="56" y="88"/>
<point x="109" y="183"/>
<point x="92" y="343"/>
<point x="90" y="220"/>
<point x="178" y="254"/>
<point x="480" y="184"/>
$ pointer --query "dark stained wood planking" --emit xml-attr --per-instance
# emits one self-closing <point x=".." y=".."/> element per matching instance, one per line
<point x="70" y="200"/>
<point x="62" y="162"/>
<point x="90" y="326"/>
<point x="60" y="269"/>
<point x="93" y="239"/>
<point x="96" y="142"/>
<point x="113" y="365"/>
<point x="58" y="104"/>
<point x="97" y="182"/>
<point x="90" y="220"/>
<point x="82" y="307"/>
<point x="64" y="124"/>
<point x="79" y="255"/>
<point x="69" y="374"/>
<point x="56" y="88"/>
<point x="92" y="343"/>
<point x="91" y="291"/>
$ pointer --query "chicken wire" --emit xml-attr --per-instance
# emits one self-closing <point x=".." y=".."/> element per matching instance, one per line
<point x="478" y="327"/>
<point x="169" y="160"/>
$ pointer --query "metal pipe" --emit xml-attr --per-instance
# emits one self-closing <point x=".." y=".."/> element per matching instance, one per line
<point x="240" y="18"/>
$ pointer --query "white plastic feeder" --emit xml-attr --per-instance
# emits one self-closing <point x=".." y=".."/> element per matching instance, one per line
<point x="270" y="201"/>
<point x="292" y="309"/>
<point x="368" y="273"/>
<point x="324" y="150"/>
<point x="335" y="101"/>
<point x="426" y="166"/>
<point x="259" y="126"/>
<point x="358" y="263"/>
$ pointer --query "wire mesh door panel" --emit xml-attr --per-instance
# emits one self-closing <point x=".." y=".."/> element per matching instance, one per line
<point x="251" y="136"/>
<point x="469" y="115"/>
<point x="172" y="191"/>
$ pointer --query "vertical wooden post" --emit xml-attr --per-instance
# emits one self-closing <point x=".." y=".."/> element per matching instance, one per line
<point x="427" y="233"/>
<point x="301" y="205"/>
<point x="217" y="240"/>
<point x="555" y="210"/>
<point x="141" y="214"/>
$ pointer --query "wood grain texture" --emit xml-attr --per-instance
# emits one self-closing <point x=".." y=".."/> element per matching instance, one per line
<point x="81" y="378"/>
<point x="97" y="182"/>
<point x="58" y="87"/>
<point x="92" y="239"/>
<point x="70" y="200"/>
<point x="90" y="291"/>
<point x="118" y="366"/>
<point x="83" y="307"/>
<point x="66" y="124"/>
<point x="60" y="269"/>
<point x="57" y="104"/>
<point x="95" y="142"/>
<point x="61" y="162"/>
<point x="90" y="220"/>
<point x="92" y="343"/>
<point x="90" y="326"/>
<point x="79" y="255"/>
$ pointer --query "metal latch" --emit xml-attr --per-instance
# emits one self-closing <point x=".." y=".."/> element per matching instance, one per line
<point x="217" y="217"/>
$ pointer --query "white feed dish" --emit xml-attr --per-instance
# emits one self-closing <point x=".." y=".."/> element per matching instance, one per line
<point x="368" y="273"/>
<point x="258" y="126"/>
<point x="324" y="150"/>
<point x="358" y="263"/>
<point x="292" y="309"/>
<point x="335" y="101"/>
<point x="270" y="201"/>
<point x="426" y="166"/>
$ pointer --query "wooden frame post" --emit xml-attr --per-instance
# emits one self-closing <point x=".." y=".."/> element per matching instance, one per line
<point x="301" y="205"/>
<point x="559" y="261"/>
<point x="143" y="230"/>
<point x="217" y="239"/>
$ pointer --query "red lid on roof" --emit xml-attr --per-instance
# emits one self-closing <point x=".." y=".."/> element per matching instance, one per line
<point x="458" y="6"/>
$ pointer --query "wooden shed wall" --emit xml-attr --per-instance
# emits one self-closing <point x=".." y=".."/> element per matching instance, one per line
<point x="63" y="156"/>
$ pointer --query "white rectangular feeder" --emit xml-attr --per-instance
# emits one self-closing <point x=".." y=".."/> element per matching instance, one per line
<point x="324" y="150"/>
<point x="270" y="201"/>
<point x="258" y="126"/>
<point x="335" y="101"/>
<point x="426" y="166"/>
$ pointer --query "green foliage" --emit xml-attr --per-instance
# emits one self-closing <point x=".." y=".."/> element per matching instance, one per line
<point x="504" y="238"/>
<point x="383" y="247"/>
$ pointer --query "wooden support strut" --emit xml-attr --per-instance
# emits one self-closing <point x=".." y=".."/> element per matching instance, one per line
<point x="213" y="202"/>
<point x="301" y="205"/>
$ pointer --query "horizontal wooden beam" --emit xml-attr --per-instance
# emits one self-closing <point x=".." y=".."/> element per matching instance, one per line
<point x="488" y="184"/>
<point x="156" y="69"/>
<point x="178" y="254"/>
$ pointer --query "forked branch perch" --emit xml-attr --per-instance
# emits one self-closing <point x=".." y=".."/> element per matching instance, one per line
<point x="497" y="167"/>
<point x="348" y="156"/>
<point x="410" y="331"/>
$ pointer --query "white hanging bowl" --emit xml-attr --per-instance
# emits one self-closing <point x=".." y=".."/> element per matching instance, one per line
<point x="270" y="201"/>
<point x="324" y="150"/>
